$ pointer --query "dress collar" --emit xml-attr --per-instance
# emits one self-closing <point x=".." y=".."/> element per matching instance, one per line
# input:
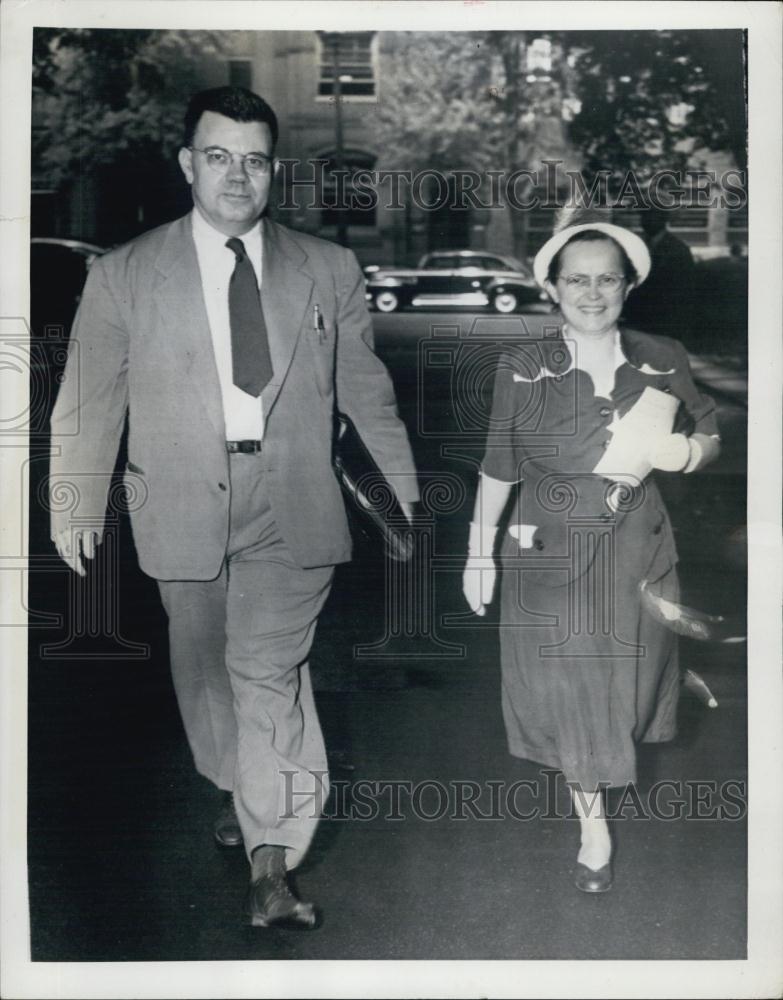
<point x="557" y="360"/>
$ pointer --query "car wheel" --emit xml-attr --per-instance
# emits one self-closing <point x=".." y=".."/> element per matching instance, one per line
<point x="505" y="302"/>
<point x="386" y="302"/>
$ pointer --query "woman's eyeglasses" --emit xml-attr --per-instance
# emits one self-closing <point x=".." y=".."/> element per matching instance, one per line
<point x="604" y="282"/>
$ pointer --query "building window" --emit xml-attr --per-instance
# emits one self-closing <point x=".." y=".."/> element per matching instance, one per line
<point x="539" y="60"/>
<point x="352" y="54"/>
<point x="738" y="220"/>
<point x="690" y="217"/>
<point x="240" y="73"/>
<point x="346" y="200"/>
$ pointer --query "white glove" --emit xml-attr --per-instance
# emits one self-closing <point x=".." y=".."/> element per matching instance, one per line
<point x="697" y="454"/>
<point x="671" y="453"/>
<point x="478" y="579"/>
<point x="523" y="534"/>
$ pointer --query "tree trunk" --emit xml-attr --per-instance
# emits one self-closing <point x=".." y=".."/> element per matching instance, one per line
<point x="519" y="231"/>
<point x="513" y="48"/>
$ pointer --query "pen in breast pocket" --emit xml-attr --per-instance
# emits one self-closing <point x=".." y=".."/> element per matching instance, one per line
<point x="318" y="322"/>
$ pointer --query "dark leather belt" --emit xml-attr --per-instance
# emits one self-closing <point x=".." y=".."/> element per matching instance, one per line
<point x="245" y="447"/>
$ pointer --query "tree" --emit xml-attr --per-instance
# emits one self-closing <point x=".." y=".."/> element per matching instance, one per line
<point x="111" y="101"/>
<point x="464" y="101"/>
<point x="607" y="101"/>
<point x="647" y="97"/>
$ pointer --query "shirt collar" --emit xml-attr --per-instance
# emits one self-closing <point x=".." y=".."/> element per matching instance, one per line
<point x="207" y="236"/>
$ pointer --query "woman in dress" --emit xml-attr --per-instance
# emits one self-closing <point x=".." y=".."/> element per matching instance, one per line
<point x="582" y="411"/>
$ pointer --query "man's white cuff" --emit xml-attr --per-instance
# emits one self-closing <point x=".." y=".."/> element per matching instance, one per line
<point x="697" y="453"/>
<point x="481" y="539"/>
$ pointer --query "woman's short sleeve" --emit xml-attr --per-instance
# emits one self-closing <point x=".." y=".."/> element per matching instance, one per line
<point x="700" y="409"/>
<point x="501" y="457"/>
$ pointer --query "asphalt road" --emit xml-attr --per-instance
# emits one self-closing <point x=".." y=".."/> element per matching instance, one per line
<point x="121" y="861"/>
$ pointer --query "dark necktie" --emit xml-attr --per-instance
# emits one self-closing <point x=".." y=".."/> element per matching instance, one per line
<point x="251" y="363"/>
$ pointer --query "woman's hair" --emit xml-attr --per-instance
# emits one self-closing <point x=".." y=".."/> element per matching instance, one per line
<point x="591" y="236"/>
<point x="236" y="103"/>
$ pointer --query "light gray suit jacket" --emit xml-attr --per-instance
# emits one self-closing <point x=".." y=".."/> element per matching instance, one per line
<point x="141" y="344"/>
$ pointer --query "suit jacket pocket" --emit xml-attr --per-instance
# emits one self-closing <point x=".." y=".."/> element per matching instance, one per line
<point x="322" y="350"/>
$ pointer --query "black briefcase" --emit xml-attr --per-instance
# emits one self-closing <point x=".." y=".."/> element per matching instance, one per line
<point x="373" y="502"/>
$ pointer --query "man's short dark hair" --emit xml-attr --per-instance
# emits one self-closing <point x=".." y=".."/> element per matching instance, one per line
<point x="237" y="103"/>
<point x="591" y="236"/>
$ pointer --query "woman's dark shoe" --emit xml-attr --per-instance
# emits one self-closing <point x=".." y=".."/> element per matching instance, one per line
<point x="587" y="880"/>
<point x="227" y="830"/>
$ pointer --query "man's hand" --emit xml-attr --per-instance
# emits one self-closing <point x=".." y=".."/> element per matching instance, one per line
<point x="74" y="547"/>
<point x="478" y="583"/>
<point x="480" y="575"/>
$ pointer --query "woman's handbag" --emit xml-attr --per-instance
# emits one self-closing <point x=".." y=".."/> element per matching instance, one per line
<point x="372" y="498"/>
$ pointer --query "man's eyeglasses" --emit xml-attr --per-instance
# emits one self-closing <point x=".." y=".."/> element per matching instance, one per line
<point x="605" y="282"/>
<point x="220" y="160"/>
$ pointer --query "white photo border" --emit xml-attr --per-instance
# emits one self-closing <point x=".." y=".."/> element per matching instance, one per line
<point x="762" y="973"/>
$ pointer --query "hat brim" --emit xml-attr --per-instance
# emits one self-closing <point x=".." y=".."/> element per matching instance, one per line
<point x="633" y="245"/>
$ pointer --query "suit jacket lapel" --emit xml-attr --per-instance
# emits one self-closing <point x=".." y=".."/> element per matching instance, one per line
<point x="286" y="292"/>
<point x="181" y="302"/>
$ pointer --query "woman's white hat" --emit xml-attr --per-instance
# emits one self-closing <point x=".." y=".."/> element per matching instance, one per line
<point x="575" y="221"/>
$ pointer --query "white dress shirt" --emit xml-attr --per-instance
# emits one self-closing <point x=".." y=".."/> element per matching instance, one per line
<point x="242" y="412"/>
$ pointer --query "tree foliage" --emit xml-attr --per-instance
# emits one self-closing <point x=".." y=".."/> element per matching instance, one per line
<point x="462" y="100"/>
<point x="631" y="84"/>
<point x="105" y="96"/>
<point x="610" y="102"/>
<point x="435" y="108"/>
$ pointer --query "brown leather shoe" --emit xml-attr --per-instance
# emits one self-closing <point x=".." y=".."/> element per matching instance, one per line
<point x="227" y="830"/>
<point x="270" y="902"/>
<point x="588" y="880"/>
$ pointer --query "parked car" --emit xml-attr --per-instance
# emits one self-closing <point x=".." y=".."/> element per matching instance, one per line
<point x="58" y="270"/>
<point x="472" y="278"/>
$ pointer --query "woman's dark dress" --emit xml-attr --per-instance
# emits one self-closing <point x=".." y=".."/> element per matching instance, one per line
<point x="586" y="671"/>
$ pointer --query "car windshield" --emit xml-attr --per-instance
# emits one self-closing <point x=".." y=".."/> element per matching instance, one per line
<point x="457" y="262"/>
<point x="438" y="263"/>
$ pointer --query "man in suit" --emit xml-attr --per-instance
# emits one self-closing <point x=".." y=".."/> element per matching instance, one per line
<point x="664" y="303"/>
<point x="228" y="339"/>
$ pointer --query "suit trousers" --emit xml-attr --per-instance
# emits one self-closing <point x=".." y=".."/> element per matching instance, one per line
<point x="238" y="647"/>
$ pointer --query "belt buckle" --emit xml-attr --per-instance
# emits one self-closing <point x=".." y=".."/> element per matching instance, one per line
<point x="246" y="447"/>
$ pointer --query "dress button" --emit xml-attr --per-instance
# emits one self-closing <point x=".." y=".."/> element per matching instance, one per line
<point x="657" y="529"/>
<point x="605" y="411"/>
<point x="538" y="545"/>
<point x="222" y="486"/>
